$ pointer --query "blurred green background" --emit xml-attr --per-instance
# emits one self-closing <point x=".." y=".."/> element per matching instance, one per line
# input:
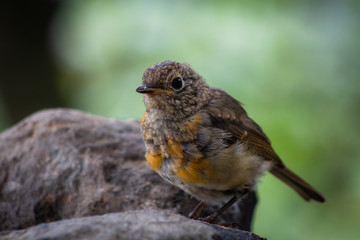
<point x="295" y="65"/>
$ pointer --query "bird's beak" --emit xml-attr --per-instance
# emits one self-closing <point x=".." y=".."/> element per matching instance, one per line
<point x="145" y="89"/>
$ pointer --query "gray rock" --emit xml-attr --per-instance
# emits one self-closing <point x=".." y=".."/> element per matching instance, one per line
<point x="134" y="225"/>
<point x="63" y="164"/>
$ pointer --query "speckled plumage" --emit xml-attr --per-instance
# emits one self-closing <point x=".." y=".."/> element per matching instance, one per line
<point x="200" y="138"/>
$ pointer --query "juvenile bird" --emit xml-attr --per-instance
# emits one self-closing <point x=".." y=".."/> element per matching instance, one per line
<point x="201" y="139"/>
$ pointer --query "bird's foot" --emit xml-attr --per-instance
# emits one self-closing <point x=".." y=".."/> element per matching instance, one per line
<point x="211" y="220"/>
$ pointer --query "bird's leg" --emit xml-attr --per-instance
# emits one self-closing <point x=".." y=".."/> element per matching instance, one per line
<point x="197" y="209"/>
<point x="211" y="218"/>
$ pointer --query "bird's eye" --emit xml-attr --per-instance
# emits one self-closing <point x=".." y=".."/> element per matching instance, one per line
<point x="177" y="83"/>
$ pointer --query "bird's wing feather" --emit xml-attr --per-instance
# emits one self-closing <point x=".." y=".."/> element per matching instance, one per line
<point x="228" y="114"/>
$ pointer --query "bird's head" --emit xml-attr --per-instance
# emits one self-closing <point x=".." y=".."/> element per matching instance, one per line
<point x="173" y="87"/>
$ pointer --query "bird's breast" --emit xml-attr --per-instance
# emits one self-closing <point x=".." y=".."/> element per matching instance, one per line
<point x="171" y="146"/>
<point x="194" y="152"/>
<point x="159" y="128"/>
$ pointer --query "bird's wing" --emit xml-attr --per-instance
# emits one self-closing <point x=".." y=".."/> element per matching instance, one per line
<point x="228" y="114"/>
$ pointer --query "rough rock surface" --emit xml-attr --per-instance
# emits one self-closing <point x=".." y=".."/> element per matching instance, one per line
<point x="63" y="164"/>
<point x="134" y="225"/>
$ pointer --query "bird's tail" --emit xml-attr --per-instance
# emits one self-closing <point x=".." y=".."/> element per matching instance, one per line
<point x="296" y="183"/>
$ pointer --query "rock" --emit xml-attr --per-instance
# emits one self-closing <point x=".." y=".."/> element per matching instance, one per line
<point x="134" y="225"/>
<point x="63" y="164"/>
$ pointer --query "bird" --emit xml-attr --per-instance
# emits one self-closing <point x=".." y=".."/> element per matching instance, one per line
<point x="201" y="139"/>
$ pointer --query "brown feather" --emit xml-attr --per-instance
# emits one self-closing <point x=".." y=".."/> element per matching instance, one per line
<point x="250" y="133"/>
<point x="298" y="184"/>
